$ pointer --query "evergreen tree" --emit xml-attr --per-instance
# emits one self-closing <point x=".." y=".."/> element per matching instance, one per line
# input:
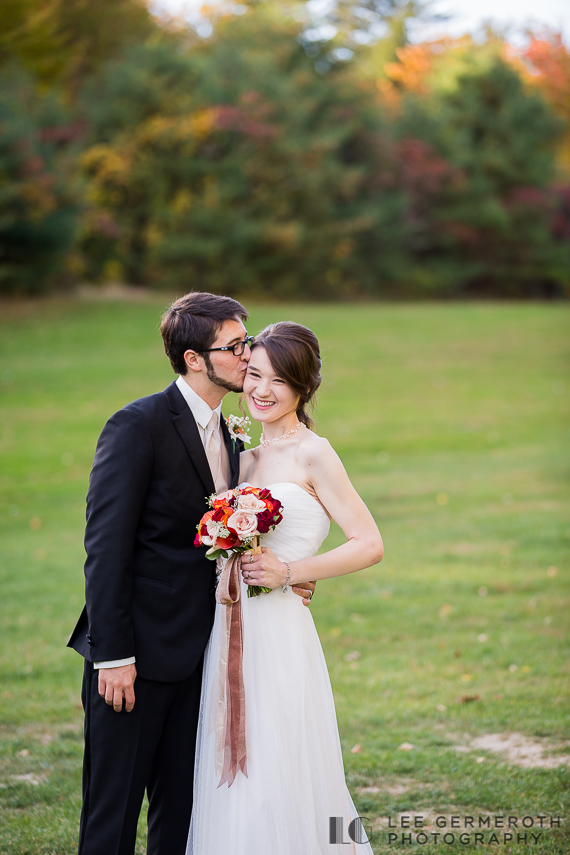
<point x="493" y="231"/>
<point x="39" y="203"/>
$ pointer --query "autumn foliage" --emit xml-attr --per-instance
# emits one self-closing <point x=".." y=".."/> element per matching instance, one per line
<point x="251" y="162"/>
<point x="549" y="61"/>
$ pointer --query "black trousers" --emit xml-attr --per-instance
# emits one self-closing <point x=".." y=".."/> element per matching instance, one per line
<point x="151" y="748"/>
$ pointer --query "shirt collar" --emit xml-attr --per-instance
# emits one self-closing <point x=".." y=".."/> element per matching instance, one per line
<point x="201" y="411"/>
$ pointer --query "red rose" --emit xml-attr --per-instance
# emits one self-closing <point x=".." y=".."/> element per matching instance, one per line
<point x="221" y="514"/>
<point x="264" y="521"/>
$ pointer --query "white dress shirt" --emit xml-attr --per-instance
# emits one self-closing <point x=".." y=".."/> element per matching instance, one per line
<point x="202" y="413"/>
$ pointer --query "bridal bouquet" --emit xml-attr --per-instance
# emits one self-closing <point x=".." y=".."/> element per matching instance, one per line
<point x="234" y="523"/>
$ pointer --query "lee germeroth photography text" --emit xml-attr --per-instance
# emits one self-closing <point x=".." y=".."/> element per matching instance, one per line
<point x="451" y="829"/>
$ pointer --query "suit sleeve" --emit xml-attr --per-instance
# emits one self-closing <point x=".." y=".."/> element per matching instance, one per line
<point x="118" y="486"/>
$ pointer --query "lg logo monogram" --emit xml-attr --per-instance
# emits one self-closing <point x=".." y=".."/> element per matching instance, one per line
<point x="356" y="830"/>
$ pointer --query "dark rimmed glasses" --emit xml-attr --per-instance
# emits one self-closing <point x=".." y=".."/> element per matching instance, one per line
<point x="237" y="349"/>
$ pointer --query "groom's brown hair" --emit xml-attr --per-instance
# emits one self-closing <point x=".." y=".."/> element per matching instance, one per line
<point x="192" y="323"/>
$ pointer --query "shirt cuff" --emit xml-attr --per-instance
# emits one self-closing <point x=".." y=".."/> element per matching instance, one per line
<point x="114" y="663"/>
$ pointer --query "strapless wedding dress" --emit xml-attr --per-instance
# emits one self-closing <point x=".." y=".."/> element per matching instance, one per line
<point x="295" y="776"/>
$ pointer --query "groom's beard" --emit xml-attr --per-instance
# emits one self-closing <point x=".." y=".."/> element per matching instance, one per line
<point x="220" y="381"/>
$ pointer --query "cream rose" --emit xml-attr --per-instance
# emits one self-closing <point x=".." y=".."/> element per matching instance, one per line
<point x="250" y="504"/>
<point x="244" y="524"/>
<point x="208" y="539"/>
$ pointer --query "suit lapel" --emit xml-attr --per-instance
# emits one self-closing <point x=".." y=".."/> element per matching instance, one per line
<point x="187" y="428"/>
<point x="233" y="455"/>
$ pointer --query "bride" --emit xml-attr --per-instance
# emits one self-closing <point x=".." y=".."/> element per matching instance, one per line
<point x="290" y="796"/>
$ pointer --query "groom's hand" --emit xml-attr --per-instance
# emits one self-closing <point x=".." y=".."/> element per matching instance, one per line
<point x="116" y="684"/>
<point x="305" y="590"/>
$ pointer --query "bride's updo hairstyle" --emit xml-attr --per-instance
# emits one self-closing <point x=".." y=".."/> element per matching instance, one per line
<point x="293" y="351"/>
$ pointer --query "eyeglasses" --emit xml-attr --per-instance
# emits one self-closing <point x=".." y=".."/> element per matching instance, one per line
<point x="237" y="349"/>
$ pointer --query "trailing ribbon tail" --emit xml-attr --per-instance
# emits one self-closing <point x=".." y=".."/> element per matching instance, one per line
<point x="231" y="754"/>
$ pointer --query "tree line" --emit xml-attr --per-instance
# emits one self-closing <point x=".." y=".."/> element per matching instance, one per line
<point x="257" y="160"/>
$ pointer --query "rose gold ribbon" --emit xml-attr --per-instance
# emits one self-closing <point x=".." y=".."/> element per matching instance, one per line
<point x="231" y="747"/>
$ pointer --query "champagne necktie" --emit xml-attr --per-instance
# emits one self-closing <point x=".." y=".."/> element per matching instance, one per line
<point x="213" y="447"/>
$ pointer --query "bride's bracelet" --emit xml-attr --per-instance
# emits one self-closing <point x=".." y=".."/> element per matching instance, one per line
<point x="285" y="587"/>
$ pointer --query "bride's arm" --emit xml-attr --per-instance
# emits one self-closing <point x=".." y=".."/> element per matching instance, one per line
<point x="363" y="546"/>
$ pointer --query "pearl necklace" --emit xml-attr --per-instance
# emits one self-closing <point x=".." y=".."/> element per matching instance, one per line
<point x="266" y="442"/>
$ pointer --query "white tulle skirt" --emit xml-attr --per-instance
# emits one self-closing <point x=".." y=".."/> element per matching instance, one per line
<point x="295" y="781"/>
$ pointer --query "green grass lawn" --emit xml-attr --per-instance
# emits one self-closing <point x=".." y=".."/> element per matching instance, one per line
<point x="452" y="420"/>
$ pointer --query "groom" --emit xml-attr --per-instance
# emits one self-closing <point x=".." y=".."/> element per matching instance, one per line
<point x="149" y="592"/>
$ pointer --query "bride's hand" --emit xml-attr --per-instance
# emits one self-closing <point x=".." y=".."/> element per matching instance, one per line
<point x="263" y="564"/>
<point x="263" y="569"/>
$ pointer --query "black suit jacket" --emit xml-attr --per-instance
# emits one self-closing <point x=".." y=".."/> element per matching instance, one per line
<point x="149" y="591"/>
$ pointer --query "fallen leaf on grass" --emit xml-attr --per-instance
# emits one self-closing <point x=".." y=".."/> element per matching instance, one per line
<point x="406" y="746"/>
<point x="465" y="699"/>
<point x="502" y="587"/>
<point x="356" y="749"/>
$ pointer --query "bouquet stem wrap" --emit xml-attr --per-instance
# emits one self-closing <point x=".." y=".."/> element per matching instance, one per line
<point x="231" y="755"/>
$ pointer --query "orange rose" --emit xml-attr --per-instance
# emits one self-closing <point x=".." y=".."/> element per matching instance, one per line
<point x="203" y="530"/>
<point x="223" y="500"/>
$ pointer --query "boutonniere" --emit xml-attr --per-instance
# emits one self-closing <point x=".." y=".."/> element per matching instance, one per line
<point x="237" y="427"/>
